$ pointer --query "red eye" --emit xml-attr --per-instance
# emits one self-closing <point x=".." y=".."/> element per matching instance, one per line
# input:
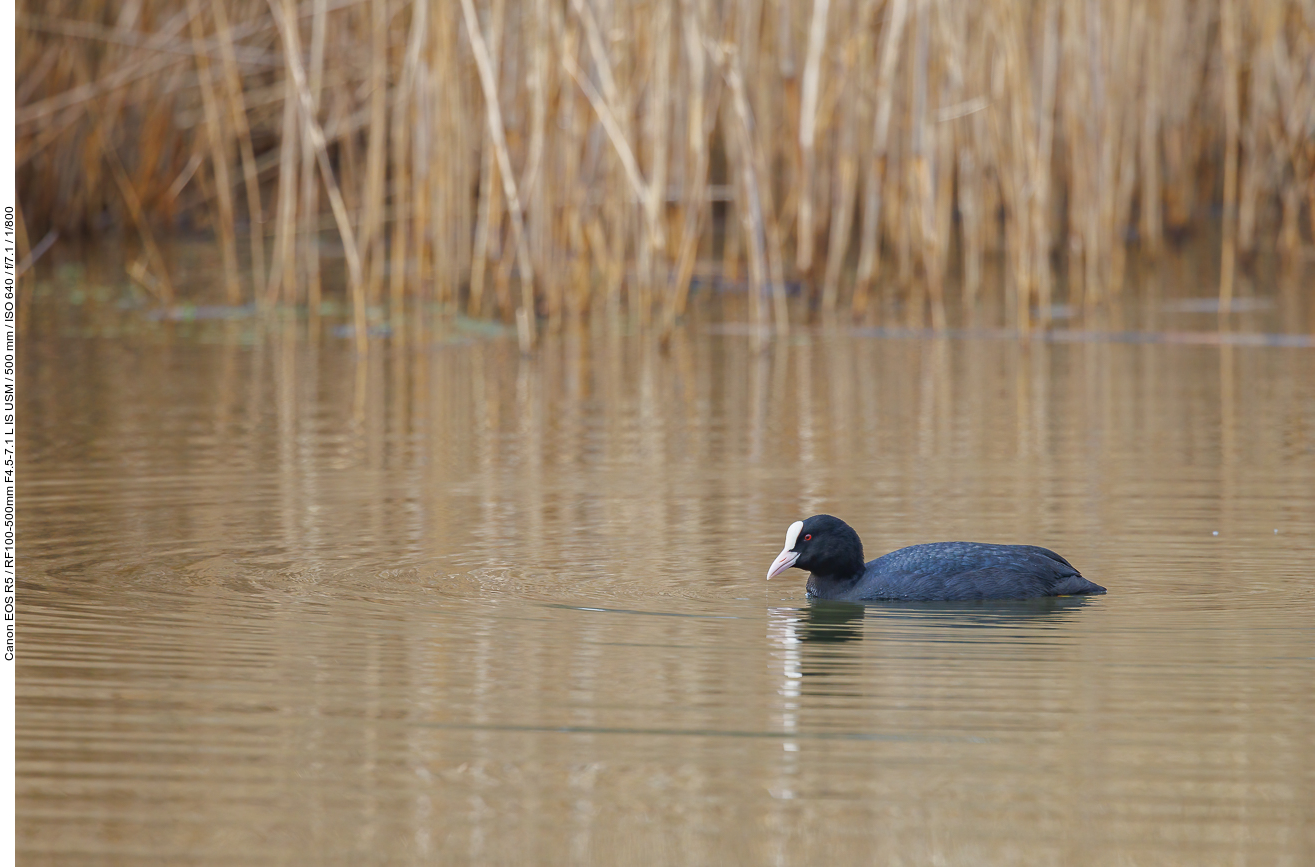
<point x="808" y="537"/>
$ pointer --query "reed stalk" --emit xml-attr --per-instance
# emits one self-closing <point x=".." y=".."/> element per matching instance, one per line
<point x="845" y="183"/>
<point x="645" y="191"/>
<point x="310" y="191"/>
<point x="869" y="244"/>
<point x="656" y="144"/>
<point x="489" y="215"/>
<point x="701" y="114"/>
<point x="219" y="159"/>
<point x="751" y="216"/>
<point x="1228" y="37"/>
<point x="537" y="201"/>
<point x="403" y="181"/>
<point x="240" y="129"/>
<point x="808" y="132"/>
<point x="372" y="223"/>
<point x="584" y="143"/>
<point x="1043" y="152"/>
<point x="493" y="112"/>
<point x="159" y="284"/>
<point x="283" y="271"/>
<point x="356" y="278"/>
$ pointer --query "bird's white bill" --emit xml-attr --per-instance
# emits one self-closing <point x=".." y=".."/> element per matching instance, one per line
<point x="787" y="557"/>
<point x="783" y="561"/>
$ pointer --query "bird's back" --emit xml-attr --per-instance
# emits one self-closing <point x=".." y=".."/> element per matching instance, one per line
<point x="970" y="570"/>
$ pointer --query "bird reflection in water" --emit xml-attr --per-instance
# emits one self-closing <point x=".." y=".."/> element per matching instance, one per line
<point x="831" y="622"/>
<point x="823" y="625"/>
<point x="820" y="651"/>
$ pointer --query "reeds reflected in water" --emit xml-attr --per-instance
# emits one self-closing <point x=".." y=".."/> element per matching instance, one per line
<point x="458" y="603"/>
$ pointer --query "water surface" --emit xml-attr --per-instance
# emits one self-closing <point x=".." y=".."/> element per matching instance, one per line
<point x="457" y="606"/>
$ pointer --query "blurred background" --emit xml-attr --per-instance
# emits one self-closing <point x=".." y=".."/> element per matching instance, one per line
<point x="905" y="157"/>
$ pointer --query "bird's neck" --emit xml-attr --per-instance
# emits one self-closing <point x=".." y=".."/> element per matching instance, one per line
<point x="830" y="586"/>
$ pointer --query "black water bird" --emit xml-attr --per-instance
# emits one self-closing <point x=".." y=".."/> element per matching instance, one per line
<point x="832" y="553"/>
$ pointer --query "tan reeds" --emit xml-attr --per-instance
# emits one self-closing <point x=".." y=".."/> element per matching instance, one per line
<point x="403" y="195"/>
<point x="283" y="271"/>
<point x="356" y="278"/>
<point x="376" y="151"/>
<point x="309" y="226"/>
<point x="219" y="159"/>
<point x="751" y="213"/>
<point x="240" y="129"/>
<point x="153" y="274"/>
<point x="493" y="112"/>
<point x="701" y="110"/>
<point x="577" y="150"/>
<point x="808" y="132"/>
<point x="869" y="245"/>
<point x="1228" y="37"/>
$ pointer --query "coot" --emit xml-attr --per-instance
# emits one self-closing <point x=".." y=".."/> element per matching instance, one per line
<point x="831" y="551"/>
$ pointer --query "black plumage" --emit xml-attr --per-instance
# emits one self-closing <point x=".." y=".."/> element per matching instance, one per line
<point x="832" y="553"/>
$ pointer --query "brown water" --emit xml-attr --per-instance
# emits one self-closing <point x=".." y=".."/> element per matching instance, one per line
<point x="456" y="606"/>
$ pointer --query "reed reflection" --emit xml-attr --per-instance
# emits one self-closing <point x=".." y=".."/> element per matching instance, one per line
<point x="255" y="546"/>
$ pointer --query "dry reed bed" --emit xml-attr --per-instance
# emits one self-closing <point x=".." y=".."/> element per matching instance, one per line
<point x="544" y="155"/>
